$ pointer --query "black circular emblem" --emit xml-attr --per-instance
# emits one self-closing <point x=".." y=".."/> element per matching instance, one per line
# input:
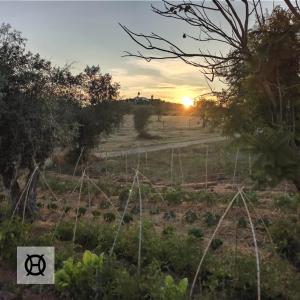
<point x="35" y="265"/>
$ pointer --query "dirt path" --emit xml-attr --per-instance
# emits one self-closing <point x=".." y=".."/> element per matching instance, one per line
<point x="154" y="148"/>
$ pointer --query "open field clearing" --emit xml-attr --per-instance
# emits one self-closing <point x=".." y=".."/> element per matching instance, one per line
<point x="170" y="130"/>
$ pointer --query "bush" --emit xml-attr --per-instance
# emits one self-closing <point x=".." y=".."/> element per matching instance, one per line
<point x="109" y="217"/>
<point x="190" y="217"/>
<point x="127" y="218"/>
<point x="197" y="233"/>
<point x="211" y="219"/>
<point x="81" y="211"/>
<point x="216" y="243"/>
<point x="12" y="235"/>
<point x="141" y="116"/>
<point x="52" y="206"/>
<point x="286" y="236"/>
<point x="104" y="204"/>
<point x="82" y="279"/>
<point x="288" y="202"/>
<point x="174" y="196"/>
<point x="169" y="215"/>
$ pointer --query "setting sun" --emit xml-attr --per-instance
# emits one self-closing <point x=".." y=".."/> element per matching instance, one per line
<point x="187" y="101"/>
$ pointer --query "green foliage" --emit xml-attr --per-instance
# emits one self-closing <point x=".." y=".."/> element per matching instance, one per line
<point x="154" y="211"/>
<point x="52" y="206"/>
<point x="141" y="116"/>
<point x="252" y="197"/>
<point x="211" y="219"/>
<point x="287" y="202"/>
<point x="286" y="236"/>
<point x="242" y="222"/>
<point x="173" y="291"/>
<point x="196" y="232"/>
<point x="174" y="196"/>
<point x="81" y="211"/>
<point x="87" y="235"/>
<point x="127" y="218"/>
<point x="190" y="216"/>
<point x="12" y="235"/>
<point x="169" y="215"/>
<point x="109" y="217"/>
<point x="104" y="204"/>
<point x="216" y="244"/>
<point x="79" y="280"/>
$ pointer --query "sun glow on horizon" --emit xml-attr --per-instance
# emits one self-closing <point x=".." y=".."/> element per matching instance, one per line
<point x="187" y="101"/>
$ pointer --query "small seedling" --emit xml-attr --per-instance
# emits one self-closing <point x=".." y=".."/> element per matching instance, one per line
<point x="109" y="217"/>
<point x="190" y="217"/>
<point x="169" y="215"/>
<point x="104" y="204"/>
<point x="197" y="233"/>
<point x="216" y="243"/>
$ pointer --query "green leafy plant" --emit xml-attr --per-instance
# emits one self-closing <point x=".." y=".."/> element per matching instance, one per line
<point x="169" y="215"/>
<point x="216" y="244"/>
<point x="196" y="232"/>
<point x="104" y="204"/>
<point x="242" y="222"/>
<point x="81" y="211"/>
<point x="82" y="279"/>
<point x="52" y="206"/>
<point x="173" y="291"/>
<point x="127" y="218"/>
<point x="190" y="216"/>
<point x="211" y="219"/>
<point x="287" y="202"/>
<point x="109" y="217"/>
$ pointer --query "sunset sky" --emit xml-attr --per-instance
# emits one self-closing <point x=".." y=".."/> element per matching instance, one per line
<point x="88" y="33"/>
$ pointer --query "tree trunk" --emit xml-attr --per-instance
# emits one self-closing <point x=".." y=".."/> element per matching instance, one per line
<point x="31" y="207"/>
<point x="28" y="197"/>
<point x="297" y="185"/>
<point x="11" y="184"/>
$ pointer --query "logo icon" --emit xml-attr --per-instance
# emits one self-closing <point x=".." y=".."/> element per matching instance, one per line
<point x="35" y="265"/>
<point x="40" y="265"/>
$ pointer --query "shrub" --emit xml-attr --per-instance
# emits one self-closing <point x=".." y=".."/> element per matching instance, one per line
<point x="197" y="233"/>
<point x="80" y="280"/>
<point x="141" y="116"/>
<point x="216" y="243"/>
<point x="12" y="235"/>
<point x="127" y="218"/>
<point x="173" y="291"/>
<point x="109" y="217"/>
<point x="104" y="204"/>
<point x="169" y="215"/>
<point x="211" y="219"/>
<point x="81" y="211"/>
<point x="242" y="222"/>
<point x="173" y="196"/>
<point x="190" y="217"/>
<point x="52" y="206"/>
<point x="252" y="196"/>
<point x="67" y="209"/>
<point x="154" y="211"/>
<point x="287" y="202"/>
<point x="286" y="236"/>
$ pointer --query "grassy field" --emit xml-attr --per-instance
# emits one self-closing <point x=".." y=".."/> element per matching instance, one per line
<point x="170" y="129"/>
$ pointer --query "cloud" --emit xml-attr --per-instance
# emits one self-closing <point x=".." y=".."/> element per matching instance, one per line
<point x="167" y="79"/>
